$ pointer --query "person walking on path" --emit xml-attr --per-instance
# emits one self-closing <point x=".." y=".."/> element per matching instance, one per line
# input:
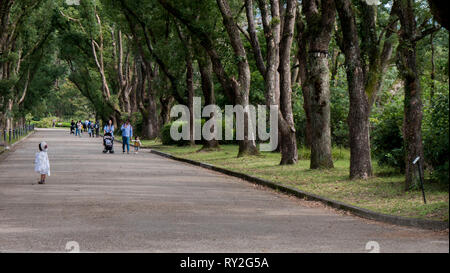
<point x="72" y="127"/>
<point x="41" y="162"/>
<point x="127" y="134"/>
<point x="97" y="128"/>
<point x="137" y="144"/>
<point x="91" y="129"/>
<point x="79" y="128"/>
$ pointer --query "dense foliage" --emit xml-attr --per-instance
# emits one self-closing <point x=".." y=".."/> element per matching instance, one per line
<point x="136" y="58"/>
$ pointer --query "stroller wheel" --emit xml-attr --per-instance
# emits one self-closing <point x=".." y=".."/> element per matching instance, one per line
<point x="105" y="151"/>
<point x="111" y="152"/>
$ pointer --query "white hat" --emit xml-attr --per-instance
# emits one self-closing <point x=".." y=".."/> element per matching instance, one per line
<point x="43" y="146"/>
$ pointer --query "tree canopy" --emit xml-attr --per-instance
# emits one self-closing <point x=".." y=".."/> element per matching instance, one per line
<point x="371" y="77"/>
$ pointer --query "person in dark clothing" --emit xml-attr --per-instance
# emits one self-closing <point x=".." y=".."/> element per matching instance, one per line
<point x="97" y="128"/>
<point x="72" y="127"/>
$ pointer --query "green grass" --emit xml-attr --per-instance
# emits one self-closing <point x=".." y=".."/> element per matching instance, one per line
<point x="382" y="193"/>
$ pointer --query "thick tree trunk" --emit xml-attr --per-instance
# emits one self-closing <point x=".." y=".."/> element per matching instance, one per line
<point x="205" y="67"/>
<point x="406" y="62"/>
<point x="358" y="123"/>
<point x="166" y="105"/>
<point x="9" y="119"/>
<point x="241" y="87"/>
<point x="318" y="80"/>
<point x="133" y="100"/>
<point x="358" y="117"/>
<point x="150" y="124"/>
<point x="320" y="17"/>
<point x="150" y="128"/>
<point x="247" y="146"/>
<point x="302" y="75"/>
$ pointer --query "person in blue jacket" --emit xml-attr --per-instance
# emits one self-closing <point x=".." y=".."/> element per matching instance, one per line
<point x="109" y="128"/>
<point x="127" y="134"/>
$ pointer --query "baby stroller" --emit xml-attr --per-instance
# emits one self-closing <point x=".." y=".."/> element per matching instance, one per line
<point x="108" y="143"/>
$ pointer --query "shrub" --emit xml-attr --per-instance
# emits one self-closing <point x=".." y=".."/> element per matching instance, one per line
<point x="387" y="139"/>
<point x="339" y="105"/>
<point x="137" y="121"/>
<point x="167" y="139"/>
<point x="436" y="137"/>
<point x="44" y="122"/>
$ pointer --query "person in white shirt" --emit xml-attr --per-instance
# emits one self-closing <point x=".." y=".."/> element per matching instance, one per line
<point x="41" y="162"/>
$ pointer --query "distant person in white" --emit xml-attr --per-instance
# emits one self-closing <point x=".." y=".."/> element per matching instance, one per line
<point x="41" y="163"/>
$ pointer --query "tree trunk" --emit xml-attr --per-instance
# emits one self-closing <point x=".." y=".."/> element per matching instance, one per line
<point x="205" y="67"/>
<point x="272" y="33"/>
<point x="321" y="156"/>
<point x="320" y="19"/>
<point x="9" y="119"/>
<point x="407" y="65"/>
<point x="302" y="75"/>
<point x="147" y="103"/>
<point x="358" y="123"/>
<point x="241" y="87"/>
<point x="358" y="117"/>
<point x="190" y="95"/>
<point x="236" y="90"/>
<point x="166" y="104"/>
<point x="289" y="152"/>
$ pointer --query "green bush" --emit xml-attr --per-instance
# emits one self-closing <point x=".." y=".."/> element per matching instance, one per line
<point x="167" y="140"/>
<point x="339" y="106"/>
<point x="435" y="128"/>
<point x="44" y="122"/>
<point x="387" y="139"/>
<point x="138" y="124"/>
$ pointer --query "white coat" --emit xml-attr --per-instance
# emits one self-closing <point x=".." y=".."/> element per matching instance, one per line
<point x="41" y="163"/>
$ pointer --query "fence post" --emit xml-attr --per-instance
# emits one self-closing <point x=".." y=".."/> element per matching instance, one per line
<point x="10" y="136"/>
<point x="4" y="136"/>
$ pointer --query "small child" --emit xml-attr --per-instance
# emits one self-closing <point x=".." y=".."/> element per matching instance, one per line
<point x="41" y="163"/>
<point x="137" y="144"/>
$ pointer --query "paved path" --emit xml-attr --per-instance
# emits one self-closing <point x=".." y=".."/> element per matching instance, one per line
<point x="146" y="203"/>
